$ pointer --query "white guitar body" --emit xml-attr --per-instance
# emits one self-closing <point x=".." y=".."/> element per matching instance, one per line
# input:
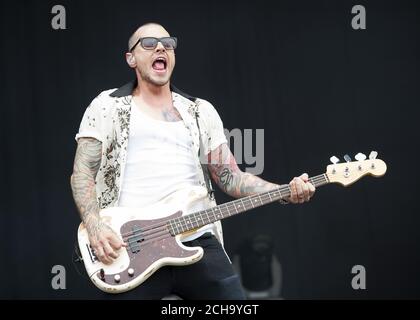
<point x="140" y="259"/>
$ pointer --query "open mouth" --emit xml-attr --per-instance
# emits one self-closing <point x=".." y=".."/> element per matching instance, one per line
<point x="159" y="64"/>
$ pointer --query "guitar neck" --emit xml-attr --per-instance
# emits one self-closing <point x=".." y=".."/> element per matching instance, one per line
<point x="201" y="218"/>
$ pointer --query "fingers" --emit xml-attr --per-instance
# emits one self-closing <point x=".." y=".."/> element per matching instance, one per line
<point x="105" y="242"/>
<point x="105" y="249"/>
<point x="304" y="177"/>
<point x="115" y="242"/>
<point x="100" y="254"/>
<point x="311" y="189"/>
<point x="305" y="191"/>
<point x="293" y="194"/>
<point x="301" y="189"/>
<point x="109" y="251"/>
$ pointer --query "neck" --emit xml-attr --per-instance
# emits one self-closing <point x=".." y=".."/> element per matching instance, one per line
<point x="153" y="95"/>
<point x="198" y="219"/>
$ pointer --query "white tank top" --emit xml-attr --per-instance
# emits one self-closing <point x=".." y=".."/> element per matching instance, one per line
<point x="159" y="162"/>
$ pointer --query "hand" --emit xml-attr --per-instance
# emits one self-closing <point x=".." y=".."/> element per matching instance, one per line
<point x="301" y="189"/>
<point x="104" y="241"/>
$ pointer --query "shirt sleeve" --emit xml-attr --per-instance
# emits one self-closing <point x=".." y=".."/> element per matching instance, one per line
<point x="214" y="125"/>
<point x="91" y="126"/>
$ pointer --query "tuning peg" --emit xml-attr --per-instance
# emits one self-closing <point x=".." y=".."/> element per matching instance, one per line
<point x="347" y="158"/>
<point x="373" y="155"/>
<point x="334" y="159"/>
<point x="360" y="157"/>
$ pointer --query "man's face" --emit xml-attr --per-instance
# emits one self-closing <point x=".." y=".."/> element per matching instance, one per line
<point x="155" y="66"/>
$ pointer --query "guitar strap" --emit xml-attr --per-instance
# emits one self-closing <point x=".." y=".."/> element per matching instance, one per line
<point x="204" y="167"/>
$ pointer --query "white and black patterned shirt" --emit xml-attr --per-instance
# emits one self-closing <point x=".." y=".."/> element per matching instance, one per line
<point x="107" y="119"/>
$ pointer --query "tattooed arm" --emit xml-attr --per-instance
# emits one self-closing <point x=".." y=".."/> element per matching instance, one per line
<point x="86" y="164"/>
<point x="236" y="183"/>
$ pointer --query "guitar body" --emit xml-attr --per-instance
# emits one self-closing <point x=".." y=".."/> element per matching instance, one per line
<point x="141" y="258"/>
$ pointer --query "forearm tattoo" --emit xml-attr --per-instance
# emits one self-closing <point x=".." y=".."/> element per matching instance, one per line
<point x="86" y="165"/>
<point x="226" y="173"/>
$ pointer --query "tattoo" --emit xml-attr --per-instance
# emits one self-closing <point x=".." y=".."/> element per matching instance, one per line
<point x="86" y="165"/>
<point x="225" y="177"/>
<point x="225" y="172"/>
<point x="171" y="115"/>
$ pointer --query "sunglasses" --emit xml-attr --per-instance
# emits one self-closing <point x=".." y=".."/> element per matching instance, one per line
<point x="150" y="43"/>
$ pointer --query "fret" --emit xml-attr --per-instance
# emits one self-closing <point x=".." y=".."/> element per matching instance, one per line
<point x="214" y="213"/>
<point x="256" y="200"/>
<point x="207" y="214"/>
<point x="283" y="192"/>
<point x="250" y="200"/>
<point x="179" y="226"/>
<point x="274" y="194"/>
<point x="197" y="218"/>
<point x="228" y="210"/>
<point x="170" y="227"/>
<point x="220" y="215"/>
<point x="242" y="205"/>
<point x="234" y="205"/>
<point x="188" y="222"/>
<point x="175" y="227"/>
<point x="201" y="218"/>
<point x="195" y="221"/>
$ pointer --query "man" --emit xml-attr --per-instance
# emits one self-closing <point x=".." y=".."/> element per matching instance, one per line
<point x="140" y="143"/>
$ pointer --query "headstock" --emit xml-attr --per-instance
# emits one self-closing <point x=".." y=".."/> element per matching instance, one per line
<point x="349" y="172"/>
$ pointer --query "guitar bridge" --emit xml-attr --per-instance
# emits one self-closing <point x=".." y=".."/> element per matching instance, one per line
<point x="92" y="254"/>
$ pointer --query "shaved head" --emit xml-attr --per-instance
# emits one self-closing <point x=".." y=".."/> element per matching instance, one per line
<point x="137" y="34"/>
<point x="153" y="65"/>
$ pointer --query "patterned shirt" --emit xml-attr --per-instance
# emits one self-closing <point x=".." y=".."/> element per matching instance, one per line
<point x="107" y="119"/>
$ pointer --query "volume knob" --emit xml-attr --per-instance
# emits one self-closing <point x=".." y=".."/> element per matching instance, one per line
<point x="130" y="272"/>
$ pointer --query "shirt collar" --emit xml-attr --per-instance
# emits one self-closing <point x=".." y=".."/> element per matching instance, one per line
<point x="127" y="90"/>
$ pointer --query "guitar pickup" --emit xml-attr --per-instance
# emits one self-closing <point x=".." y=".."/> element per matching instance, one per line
<point x="134" y="247"/>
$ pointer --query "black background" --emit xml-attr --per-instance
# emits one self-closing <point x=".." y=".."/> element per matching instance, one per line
<point x="293" y="68"/>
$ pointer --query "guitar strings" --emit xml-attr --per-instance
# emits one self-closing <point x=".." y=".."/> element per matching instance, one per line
<point x="177" y="221"/>
<point x="180" y="221"/>
<point x="228" y="206"/>
<point x="159" y="225"/>
<point x="154" y="230"/>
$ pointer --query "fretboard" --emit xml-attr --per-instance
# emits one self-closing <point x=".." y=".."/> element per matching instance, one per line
<point x="201" y="218"/>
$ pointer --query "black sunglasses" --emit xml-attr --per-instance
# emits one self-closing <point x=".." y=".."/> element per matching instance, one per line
<point x="150" y="43"/>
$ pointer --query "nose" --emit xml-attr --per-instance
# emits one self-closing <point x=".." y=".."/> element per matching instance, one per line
<point x="160" y="47"/>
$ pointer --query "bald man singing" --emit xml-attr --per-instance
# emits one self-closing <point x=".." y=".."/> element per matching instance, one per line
<point x="138" y="144"/>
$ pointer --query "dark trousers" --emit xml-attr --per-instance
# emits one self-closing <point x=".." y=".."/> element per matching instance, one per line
<point x="210" y="278"/>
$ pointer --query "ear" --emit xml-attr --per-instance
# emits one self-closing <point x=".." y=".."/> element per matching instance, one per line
<point x="131" y="61"/>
